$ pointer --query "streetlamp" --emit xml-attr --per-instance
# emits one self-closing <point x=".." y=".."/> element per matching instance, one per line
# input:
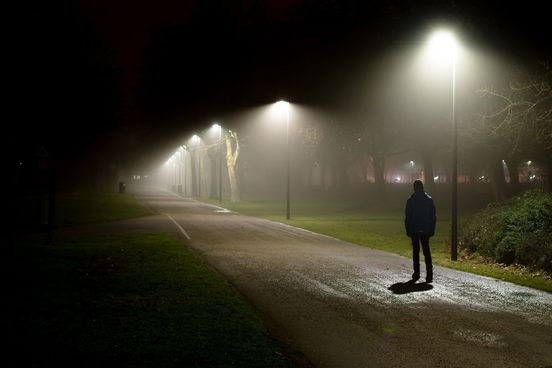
<point x="197" y="141"/>
<point x="443" y="45"/>
<point x="178" y="171"/>
<point x="219" y="128"/>
<point x="284" y="106"/>
<point x="183" y="149"/>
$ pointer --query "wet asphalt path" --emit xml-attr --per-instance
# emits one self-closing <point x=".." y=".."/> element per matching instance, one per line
<point x="342" y="305"/>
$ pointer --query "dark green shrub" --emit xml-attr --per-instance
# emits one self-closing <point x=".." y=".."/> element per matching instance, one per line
<point x="536" y="250"/>
<point x="515" y="231"/>
<point x="479" y="234"/>
<point x="505" y="251"/>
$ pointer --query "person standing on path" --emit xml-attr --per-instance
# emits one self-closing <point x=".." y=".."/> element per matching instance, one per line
<point x="419" y="223"/>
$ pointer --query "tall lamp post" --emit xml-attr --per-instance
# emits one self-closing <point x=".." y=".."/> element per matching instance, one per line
<point x="284" y="106"/>
<point x="443" y="44"/>
<point x="184" y="168"/>
<point x="178" y="160"/>
<point x="197" y="142"/>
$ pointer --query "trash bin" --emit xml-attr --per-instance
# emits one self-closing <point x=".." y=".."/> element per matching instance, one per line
<point x="122" y="187"/>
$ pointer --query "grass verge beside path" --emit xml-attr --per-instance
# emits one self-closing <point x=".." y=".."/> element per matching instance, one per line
<point x="129" y="300"/>
<point x="382" y="230"/>
<point x="93" y="207"/>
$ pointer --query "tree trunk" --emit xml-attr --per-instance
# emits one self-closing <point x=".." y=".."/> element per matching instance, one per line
<point x="323" y="176"/>
<point x="343" y="176"/>
<point x="365" y="171"/>
<point x="193" y="170"/>
<point x="548" y="176"/>
<point x="513" y="171"/>
<point x="214" y="175"/>
<point x="428" y="170"/>
<point x="232" y="154"/>
<point x="234" y="191"/>
<point x="473" y="176"/>
<point x="308" y="178"/>
<point x="498" y="182"/>
<point x="335" y="176"/>
<point x="202" y="179"/>
<point x="379" y="173"/>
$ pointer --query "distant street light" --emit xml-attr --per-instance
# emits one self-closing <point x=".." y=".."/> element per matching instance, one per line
<point x="284" y="107"/>
<point x="443" y="46"/>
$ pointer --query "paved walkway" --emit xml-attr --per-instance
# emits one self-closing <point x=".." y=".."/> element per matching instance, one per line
<point x="344" y="305"/>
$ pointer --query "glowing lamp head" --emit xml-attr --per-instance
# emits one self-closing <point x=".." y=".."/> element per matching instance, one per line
<point x="216" y="129"/>
<point x="283" y="105"/>
<point x="441" y="45"/>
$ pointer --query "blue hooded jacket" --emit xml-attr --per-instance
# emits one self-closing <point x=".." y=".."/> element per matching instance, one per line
<point x="420" y="215"/>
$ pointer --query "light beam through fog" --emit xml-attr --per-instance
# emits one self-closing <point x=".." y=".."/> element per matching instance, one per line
<point x="405" y="114"/>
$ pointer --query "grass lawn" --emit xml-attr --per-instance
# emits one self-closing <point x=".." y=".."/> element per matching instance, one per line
<point x="383" y="230"/>
<point x="130" y="299"/>
<point x="92" y="207"/>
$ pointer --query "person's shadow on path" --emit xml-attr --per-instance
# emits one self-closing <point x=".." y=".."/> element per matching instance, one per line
<point x="409" y="287"/>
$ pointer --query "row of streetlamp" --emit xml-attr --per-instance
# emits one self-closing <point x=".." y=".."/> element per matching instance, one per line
<point x="196" y="141"/>
<point x="284" y="107"/>
<point x="442" y="44"/>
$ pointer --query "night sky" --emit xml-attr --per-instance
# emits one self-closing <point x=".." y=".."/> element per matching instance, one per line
<point x="124" y="78"/>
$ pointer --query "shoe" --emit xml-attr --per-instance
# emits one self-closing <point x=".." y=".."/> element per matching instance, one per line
<point x="429" y="279"/>
<point x="415" y="276"/>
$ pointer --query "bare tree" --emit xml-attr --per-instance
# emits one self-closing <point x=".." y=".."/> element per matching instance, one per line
<point x="377" y="143"/>
<point x="518" y="119"/>
<point x="333" y="152"/>
<point x="485" y="150"/>
<point x="378" y="138"/>
<point x="232" y="155"/>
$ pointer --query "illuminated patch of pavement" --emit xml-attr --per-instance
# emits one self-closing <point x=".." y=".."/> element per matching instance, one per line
<point x="480" y="337"/>
<point x="359" y="277"/>
<point x="316" y="286"/>
<point x="374" y="287"/>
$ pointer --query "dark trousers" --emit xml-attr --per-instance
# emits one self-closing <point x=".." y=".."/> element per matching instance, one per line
<point x="416" y="240"/>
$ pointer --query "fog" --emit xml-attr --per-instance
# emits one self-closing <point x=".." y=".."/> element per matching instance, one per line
<point x="396" y="127"/>
<point x="118" y="96"/>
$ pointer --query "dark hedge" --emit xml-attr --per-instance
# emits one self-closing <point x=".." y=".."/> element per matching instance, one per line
<point x="515" y="231"/>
